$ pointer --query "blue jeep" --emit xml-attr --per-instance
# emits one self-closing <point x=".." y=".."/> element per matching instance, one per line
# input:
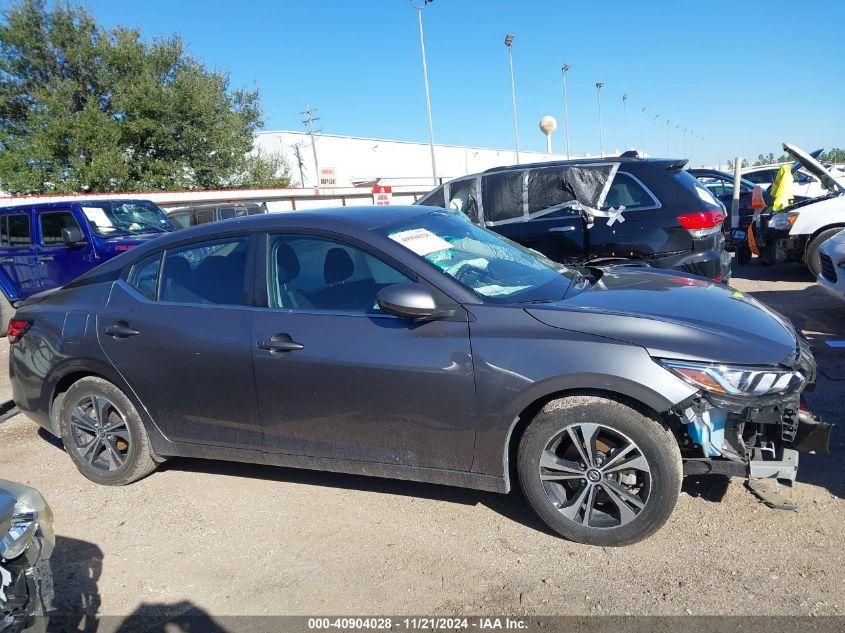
<point x="47" y="245"/>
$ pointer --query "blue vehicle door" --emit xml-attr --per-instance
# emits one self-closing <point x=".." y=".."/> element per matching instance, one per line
<point x="19" y="270"/>
<point x="61" y="263"/>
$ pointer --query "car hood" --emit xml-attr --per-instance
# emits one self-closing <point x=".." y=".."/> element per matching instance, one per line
<point x="673" y="316"/>
<point x="814" y="167"/>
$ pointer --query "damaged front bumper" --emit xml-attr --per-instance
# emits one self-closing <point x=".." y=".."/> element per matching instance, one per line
<point x="758" y="440"/>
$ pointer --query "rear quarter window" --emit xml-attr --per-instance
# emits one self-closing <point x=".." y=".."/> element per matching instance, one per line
<point x="501" y="196"/>
<point x="14" y="230"/>
<point x="434" y="198"/>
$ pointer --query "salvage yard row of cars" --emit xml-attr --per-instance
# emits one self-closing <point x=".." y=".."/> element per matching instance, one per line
<point x="564" y="327"/>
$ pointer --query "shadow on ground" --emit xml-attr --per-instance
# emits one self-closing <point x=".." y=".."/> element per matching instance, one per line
<point x="512" y="506"/>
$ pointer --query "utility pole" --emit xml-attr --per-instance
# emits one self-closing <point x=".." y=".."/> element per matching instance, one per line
<point x="509" y="45"/>
<point x="624" y="123"/>
<point x="563" y="71"/>
<point x="308" y="121"/>
<point x="599" y="86"/>
<point x="419" y="9"/>
<point x="296" y="148"/>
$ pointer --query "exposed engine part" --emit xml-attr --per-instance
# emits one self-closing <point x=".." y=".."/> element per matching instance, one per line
<point x="707" y="429"/>
<point x="783" y="469"/>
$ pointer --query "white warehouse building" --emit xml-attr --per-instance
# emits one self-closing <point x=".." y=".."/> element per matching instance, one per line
<point x="349" y="161"/>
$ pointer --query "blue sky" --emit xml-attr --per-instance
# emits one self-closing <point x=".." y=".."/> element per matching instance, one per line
<point x="359" y="63"/>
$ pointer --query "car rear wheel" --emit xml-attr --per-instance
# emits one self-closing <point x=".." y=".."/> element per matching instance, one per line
<point x="812" y="257"/>
<point x="599" y="472"/>
<point x="103" y="433"/>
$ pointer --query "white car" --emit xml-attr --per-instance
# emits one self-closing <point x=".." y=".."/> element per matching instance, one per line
<point x="806" y="184"/>
<point x="799" y="230"/>
<point x="832" y="272"/>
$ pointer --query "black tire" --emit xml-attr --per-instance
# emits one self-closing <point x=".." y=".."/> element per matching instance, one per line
<point x="812" y="258"/>
<point x="123" y="454"/>
<point x="618" y="424"/>
<point x="7" y="311"/>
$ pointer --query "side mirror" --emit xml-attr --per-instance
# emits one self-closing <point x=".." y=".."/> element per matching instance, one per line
<point x="72" y="236"/>
<point x="410" y="301"/>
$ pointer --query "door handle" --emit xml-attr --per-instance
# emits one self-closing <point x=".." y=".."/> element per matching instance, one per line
<point x="121" y="330"/>
<point x="280" y="343"/>
<point x="45" y="258"/>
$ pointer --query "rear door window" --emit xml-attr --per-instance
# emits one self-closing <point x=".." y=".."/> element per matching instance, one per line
<point x="501" y="196"/>
<point x="546" y="189"/>
<point x="207" y="273"/>
<point x="204" y="216"/>
<point x="52" y="224"/>
<point x="14" y="231"/>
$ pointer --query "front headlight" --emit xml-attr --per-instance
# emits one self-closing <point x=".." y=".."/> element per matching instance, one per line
<point x="30" y="514"/>
<point x="783" y="221"/>
<point x="736" y="380"/>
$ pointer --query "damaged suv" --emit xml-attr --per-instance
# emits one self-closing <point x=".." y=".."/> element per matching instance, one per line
<point x="408" y="342"/>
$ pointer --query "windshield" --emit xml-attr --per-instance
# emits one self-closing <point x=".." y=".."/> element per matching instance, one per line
<point x="116" y="218"/>
<point x="485" y="262"/>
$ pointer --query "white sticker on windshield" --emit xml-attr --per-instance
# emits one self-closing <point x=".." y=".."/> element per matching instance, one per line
<point x="420" y="241"/>
<point x="97" y="216"/>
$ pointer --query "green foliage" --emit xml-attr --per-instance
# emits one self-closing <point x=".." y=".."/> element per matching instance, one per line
<point x="84" y="109"/>
<point x="835" y="155"/>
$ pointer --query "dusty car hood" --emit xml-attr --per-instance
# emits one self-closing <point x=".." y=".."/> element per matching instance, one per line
<point x="675" y="317"/>
<point x="814" y="167"/>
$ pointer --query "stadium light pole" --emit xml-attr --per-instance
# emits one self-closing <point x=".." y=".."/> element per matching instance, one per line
<point x="642" y="128"/>
<point x="419" y="8"/>
<point x="624" y="122"/>
<point x="509" y="45"/>
<point x="563" y="70"/>
<point x="599" y="86"/>
<point x="668" y="131"/>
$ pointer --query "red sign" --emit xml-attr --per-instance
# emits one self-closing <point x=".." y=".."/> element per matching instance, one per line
<point x="382" y="195"/>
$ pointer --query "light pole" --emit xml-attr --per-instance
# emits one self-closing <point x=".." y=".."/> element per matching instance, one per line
<point x="509" y="45"/>
<point x="642" y="128"/>
<point x="624" y="123"/>
<point x="599" y="86"/>
<point x="668" y="130"/>
<point x="563" y="71"/>
<point x="419" y="8"/>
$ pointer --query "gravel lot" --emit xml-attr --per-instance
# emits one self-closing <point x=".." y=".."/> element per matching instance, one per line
<point x="232" y="539"/>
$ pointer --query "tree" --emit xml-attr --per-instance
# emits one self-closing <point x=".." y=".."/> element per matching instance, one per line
<point x="85" y="109"/>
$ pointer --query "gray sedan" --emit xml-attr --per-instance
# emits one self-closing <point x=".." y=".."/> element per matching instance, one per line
<point x="408" y="342"/>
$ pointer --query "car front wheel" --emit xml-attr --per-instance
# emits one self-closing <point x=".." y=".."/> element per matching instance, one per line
<point x="812" y="256"/>
<point x="103" y="433"/>
<point x="599" y="472"/>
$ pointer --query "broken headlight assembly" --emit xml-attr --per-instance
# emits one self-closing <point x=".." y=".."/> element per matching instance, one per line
<point x="30" y="515"/>
<point x="737" y="381"/>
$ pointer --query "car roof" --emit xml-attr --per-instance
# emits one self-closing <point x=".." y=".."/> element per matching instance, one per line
<point x="626" y="160"/>
<point x="361" y="218"/>
<point x="65" y="203"/>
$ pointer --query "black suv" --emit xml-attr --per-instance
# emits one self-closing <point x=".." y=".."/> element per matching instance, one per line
<point x="586" y="210"/>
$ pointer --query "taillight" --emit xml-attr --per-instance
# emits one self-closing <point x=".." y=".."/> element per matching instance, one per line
<point x="702" y="223"/>
<point x="17" y="328"/>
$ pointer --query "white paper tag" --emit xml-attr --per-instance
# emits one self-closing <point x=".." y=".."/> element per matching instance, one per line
<point x="420" y="241"/>
<point x="97" y="216"/>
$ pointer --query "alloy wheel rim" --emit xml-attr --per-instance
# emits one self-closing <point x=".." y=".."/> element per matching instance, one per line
<point x="595" y="476"/>
<point x="100" y="433"/>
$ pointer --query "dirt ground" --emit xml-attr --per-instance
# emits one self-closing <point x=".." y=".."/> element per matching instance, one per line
<point x="232" y="539"/>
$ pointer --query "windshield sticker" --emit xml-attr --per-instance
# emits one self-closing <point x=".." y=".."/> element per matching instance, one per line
<point x="421" y="241"/>
<point x="97" y="216"/>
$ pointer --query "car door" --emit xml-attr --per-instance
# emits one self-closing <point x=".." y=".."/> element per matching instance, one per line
<point x="640" y="220"/>
<point x="17" y="254"/>
<point x="181" y="339"/>
<point x="61" y="263"/>
<point x="338" y="378"/>
<point x="546" y="223"/>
